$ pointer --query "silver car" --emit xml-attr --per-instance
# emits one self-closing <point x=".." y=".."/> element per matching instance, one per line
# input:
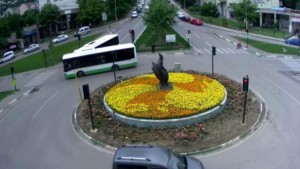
<point x="31" y="48"/>
<point x="7" y="56"/>
<point x="60" y="38"/>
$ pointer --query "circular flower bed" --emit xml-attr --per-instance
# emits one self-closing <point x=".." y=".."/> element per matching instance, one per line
<point x="139" y="97"/>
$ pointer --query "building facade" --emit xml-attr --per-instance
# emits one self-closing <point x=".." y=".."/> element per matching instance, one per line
<point x="270" y="12"/>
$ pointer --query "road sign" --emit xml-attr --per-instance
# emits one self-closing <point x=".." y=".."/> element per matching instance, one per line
<point x="104" y="16"/>
<point x="188" y="36"/>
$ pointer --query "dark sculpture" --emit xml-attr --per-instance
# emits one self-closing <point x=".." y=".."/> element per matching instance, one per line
<point x="161" y="73"/>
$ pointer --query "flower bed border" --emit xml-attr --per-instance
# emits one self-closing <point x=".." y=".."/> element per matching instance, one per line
<point x="176" y="122"/>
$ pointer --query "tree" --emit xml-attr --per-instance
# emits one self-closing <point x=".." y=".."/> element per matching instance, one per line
<point x="123" y="6"/>
<point x="186" y="3"/>
<point x="49" y="16"/>
<point x="210" y="9"/>
<point x="159" y="15"/>
<point x="30" y="17"/>
<point x="90" y="11"/>
<point x="245" y="10"/>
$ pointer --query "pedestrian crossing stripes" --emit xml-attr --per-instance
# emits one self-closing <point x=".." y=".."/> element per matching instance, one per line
<point x="42" y="77"/>
<point x="292" y="64"/>
<point x="222" y="51"/>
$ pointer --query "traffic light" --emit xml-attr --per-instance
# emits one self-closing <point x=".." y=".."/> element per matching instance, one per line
<point x="79" y="36"/>
<point x="245" y="84"/>
<point x="213" y="50"/>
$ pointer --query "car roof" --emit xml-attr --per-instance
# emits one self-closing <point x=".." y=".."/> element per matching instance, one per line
<point x="142" y="154"/>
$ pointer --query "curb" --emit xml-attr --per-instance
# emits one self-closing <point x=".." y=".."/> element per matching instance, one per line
<point x="16" y="99"/>
<point x="86" y="137"/>
<point x="256" y="53"/>
<point x="263" y="114"/>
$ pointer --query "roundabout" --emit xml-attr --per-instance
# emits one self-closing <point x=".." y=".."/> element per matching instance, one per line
<point x="192" y="133"/>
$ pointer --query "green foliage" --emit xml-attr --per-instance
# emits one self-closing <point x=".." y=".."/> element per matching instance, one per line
<point x="3" y="43"/>
<point x="150" y="36"/>
<point x="3" y="95"/>
<point x="30" y="17"/>
<point x="195" y="9"/>
<point x="270" y="48"/>
<point x="15" y="23"/>
<point x="49" y="15"/>
<point x="159" y="15"/>
<point x="188" y="3"/>
<point x="246" y="10"/>
<point x="224" y="22"/>
<point x="90" y="11"/>
<point x="210" y="9"/>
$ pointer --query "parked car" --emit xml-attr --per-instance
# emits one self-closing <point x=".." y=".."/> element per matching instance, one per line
<point x="185" y="18"/>
<point x="195" y="21"/>
<point x="294" y="40"/>
<point x="180" y="15"/>
<point x="7" y="56"/>
<point x="146" y="157"/>
<point x="83" y="31"/>
<point x="31" y="48"/>
<point x="134" y="14"/>
<point x="60" y="38"/>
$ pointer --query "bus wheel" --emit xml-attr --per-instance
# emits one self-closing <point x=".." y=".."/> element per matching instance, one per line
<point x="80" y="74"/>
<point x="115" y="67"/>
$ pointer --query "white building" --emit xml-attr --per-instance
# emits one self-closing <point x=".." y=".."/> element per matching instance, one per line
<point x="270" y="12"/>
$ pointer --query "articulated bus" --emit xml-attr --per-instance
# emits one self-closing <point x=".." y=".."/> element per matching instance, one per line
<point x="99" y="60"/>
<point x="104" y="41"/>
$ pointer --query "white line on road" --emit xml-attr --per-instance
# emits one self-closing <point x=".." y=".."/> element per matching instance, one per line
<point x="291" y="96"/>
<point x="26" y="93"/>
<point x="208" y="44"/>
<point x="197" y="35"/>
<point x="37" y="112"/>
<point x="11" y="102"/>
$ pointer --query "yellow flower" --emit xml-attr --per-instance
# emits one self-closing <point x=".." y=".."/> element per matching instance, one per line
<point x="191" y="94"/>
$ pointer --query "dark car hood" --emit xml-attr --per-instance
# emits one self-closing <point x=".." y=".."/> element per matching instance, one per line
<point x="193" y="163"/>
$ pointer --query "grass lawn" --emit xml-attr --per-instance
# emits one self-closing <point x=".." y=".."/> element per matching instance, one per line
<point x="53" y="57"/>
<point x="231" y="24"/>
<point x="150" y="36"/>
<point x="5" y="94"/>
<point x="269" y="47"/>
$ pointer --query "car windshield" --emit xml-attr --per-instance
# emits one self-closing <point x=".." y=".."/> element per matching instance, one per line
<point x="6" y="54"/>
<point x="176" y="161"/>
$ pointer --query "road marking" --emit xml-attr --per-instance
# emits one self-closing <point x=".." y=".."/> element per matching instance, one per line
<point x="286" y="92"/>
<point x="206" y="50"/>
<point x="232" y="51"/>
<point x="11" y="102"/>
<point x="225" y="50"/>
<point x="47" y="101"/>
<point x="197" y="36"/>
<point x="26" y="93"/>
<point x="219" y="51"/>
<point x="208" y="44"/>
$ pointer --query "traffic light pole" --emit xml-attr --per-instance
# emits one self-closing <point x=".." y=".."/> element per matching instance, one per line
<point x="245" y="103"/>
<point x="212" y="64"/>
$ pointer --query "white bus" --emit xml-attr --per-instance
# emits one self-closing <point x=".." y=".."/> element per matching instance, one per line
<point x="104" y="41"/>
<point x="99" y="60"/>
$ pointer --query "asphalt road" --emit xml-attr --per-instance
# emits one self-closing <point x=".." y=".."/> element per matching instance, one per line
<point x="37" y="132"/>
